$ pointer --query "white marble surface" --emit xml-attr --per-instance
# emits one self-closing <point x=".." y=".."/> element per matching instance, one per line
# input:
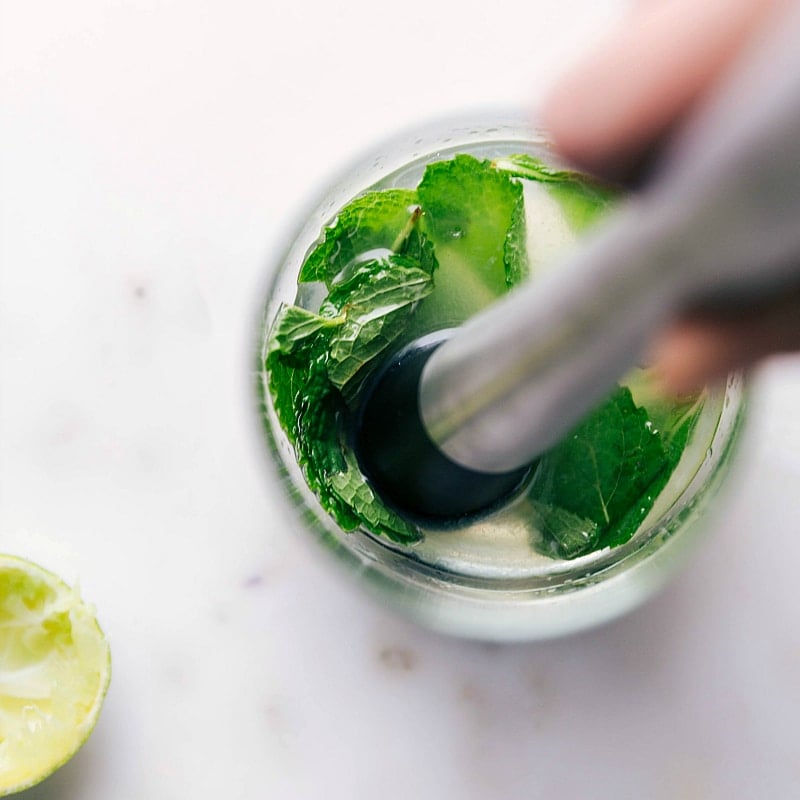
<point x="154" y="155"/>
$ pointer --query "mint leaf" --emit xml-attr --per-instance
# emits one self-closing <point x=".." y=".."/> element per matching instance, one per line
<point x="312" y="359"/>
<point x="470" y="210"/>
<point x="582" y="200"/>
<point x="611" y="466"/>
<point x="526" y="166"/>
<point x="677" y="426"/>
<point x="376" y="303"/>
<point x="582" y="203"/>
<point x="515" y="254"/>
<point x="567" y="535"/>
<point x="311" y="411"/>
<point x="611" y="455"/>
<point x="288" y="362"/>
<point x="293" y="325"/>
<point x="371" y="222"/>
<point x="673" y="423"/>
<point x="672" y="419"/>
<point x="351" y="488"/>
<point x="318" y="409"/>
<point x="414" y="245"/>
<point x="378" y="284"/>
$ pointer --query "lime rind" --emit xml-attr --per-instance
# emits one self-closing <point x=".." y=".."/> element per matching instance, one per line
<point x="55" y="669"/>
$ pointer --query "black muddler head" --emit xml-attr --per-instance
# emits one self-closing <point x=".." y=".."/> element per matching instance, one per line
<point x="401" y="462"/>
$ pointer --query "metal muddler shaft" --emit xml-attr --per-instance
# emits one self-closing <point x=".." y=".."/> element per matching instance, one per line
<point x="719" y="222"/>
<point x="448" y="428"/>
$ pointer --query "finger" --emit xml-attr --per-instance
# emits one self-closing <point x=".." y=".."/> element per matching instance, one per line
<point x="702" y="349"/>
<point x="618" y="102"/>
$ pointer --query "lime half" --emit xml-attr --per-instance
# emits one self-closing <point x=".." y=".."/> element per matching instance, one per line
<point x="55" y="667"/>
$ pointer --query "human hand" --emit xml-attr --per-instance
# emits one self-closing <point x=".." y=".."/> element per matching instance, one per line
<point x="610" y="114"/>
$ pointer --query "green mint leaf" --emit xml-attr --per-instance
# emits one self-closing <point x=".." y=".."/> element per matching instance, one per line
<point x="376" y="221"/>
<point x="311" y="411"/>
<point x="352" y="489"/>
<point x="469" y="209"/>
<point x="313" y="357"/>
<point x="607" y="467"/>
<point x="676" y="435"/>
<point x="672" y="419"/>
<point x="376" y="303"/>
<point x="417" y="247"/>
<point x="292" y="350"/>
<point x="515" y="253"/>
<point x="376" y="284"/>
<point x="316" y="406"/>
<point x="286" y="377"/>
<point x="294" y="325"/>
<point x="623" y="529"/>
<point x="582" y="203"/>
<point x="526" y="166"/>
<point x="674" y="424"/>
<point x="468" y="205"/>
<point x="582" y="200"/>
<point x="566" y="535"/>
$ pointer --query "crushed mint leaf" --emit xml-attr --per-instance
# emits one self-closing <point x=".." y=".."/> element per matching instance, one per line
<point x="604" y="468"/>
<point x="372" y="222"/>
<point x="470" y="211"/>
<point x="582" y="200"/>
